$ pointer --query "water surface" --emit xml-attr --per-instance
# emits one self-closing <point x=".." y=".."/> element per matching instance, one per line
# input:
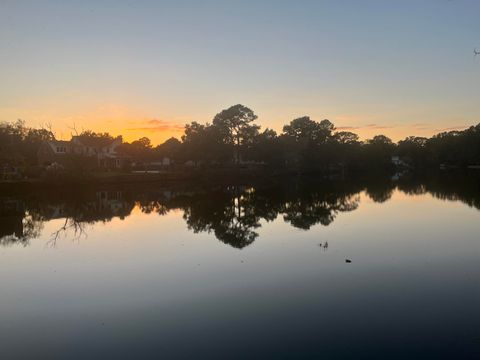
<point x="243" y="271"/>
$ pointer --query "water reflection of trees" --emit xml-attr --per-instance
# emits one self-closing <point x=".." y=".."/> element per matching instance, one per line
<point x="19" y="229"/>
<point x="232" y="213"/>
<point x="379" y="190"/>
<point x="448" y="187"/>
<point x="22" y="215"/>
<point x="227" y="212"/>
<point x="317" y="208"/>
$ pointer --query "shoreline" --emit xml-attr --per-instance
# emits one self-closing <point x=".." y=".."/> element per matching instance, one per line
<point x="168" y="177"/>
<point x="211" y="177"/>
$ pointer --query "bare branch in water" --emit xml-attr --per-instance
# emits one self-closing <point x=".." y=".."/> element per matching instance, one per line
<point x="70" y="224"/>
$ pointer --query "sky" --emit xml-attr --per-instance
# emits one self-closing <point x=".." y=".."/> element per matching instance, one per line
<point x="145" y="68"/>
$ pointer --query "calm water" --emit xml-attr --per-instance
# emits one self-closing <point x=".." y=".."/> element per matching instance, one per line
<point x="243" y="271"/>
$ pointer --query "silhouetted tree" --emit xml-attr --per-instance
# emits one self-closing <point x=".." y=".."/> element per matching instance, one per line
<point x="377" y="152"/>
<point x="170" y="148"/>
<point x="307" y="142"/>
<point x="19" y="144"/>
<point x="236" y="125"/>
<point x="304" y="145"/>
<point x="413" y="151"/>
<point x="205" y="143"/>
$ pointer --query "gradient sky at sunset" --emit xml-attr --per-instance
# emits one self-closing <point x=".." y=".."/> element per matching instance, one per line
<point x="144" y="68"/>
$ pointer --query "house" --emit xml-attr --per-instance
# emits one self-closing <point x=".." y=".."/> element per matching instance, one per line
<point x="160" y="164"/>
<point x="100" y="151"/>
<point x="103" y="149"/>
<point x="54" y="151"/>
<point x="397" y="161"/>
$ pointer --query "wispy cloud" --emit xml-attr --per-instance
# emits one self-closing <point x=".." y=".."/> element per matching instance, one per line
<point x="421" y="126"/>
<point x="156" y="125"/>
<point x="367" y="126"/>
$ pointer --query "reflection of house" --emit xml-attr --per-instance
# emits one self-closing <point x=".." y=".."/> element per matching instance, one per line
<point x="57" y="211"/>
<point x="8" y="172"/>
<point x="11" y="216"/>
<point x="101" y="151"/>
<point x="111" y="201"/>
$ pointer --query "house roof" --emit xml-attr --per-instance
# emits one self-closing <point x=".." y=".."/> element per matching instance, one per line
<point x="56" y="143"/>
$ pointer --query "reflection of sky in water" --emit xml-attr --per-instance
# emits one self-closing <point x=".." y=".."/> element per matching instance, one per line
<point x="147" y="286"/>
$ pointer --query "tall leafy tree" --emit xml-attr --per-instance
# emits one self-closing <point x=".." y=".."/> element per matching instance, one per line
<point x="236" y="123"/>
<point x="306" y="129"/>
<point x="204" y="143"/>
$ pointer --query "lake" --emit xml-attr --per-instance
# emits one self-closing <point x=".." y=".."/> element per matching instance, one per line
<point x="378" y="268"/>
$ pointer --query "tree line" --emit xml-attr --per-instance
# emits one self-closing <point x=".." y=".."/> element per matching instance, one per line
<point x="234" y="139"/>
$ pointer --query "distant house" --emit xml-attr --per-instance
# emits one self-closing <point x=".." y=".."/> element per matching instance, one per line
<point x="102" y="152"/>
<point x="163" y="163"/>
<point x="105" y="150"/>
<point x="54" y="151"/>
<point x="397" y="161"/>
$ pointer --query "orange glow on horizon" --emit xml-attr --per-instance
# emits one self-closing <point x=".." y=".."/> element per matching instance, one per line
<point x="133" y="123"/>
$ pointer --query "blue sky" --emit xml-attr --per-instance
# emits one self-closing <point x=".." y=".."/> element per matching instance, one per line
<point x="139" y="68"/>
